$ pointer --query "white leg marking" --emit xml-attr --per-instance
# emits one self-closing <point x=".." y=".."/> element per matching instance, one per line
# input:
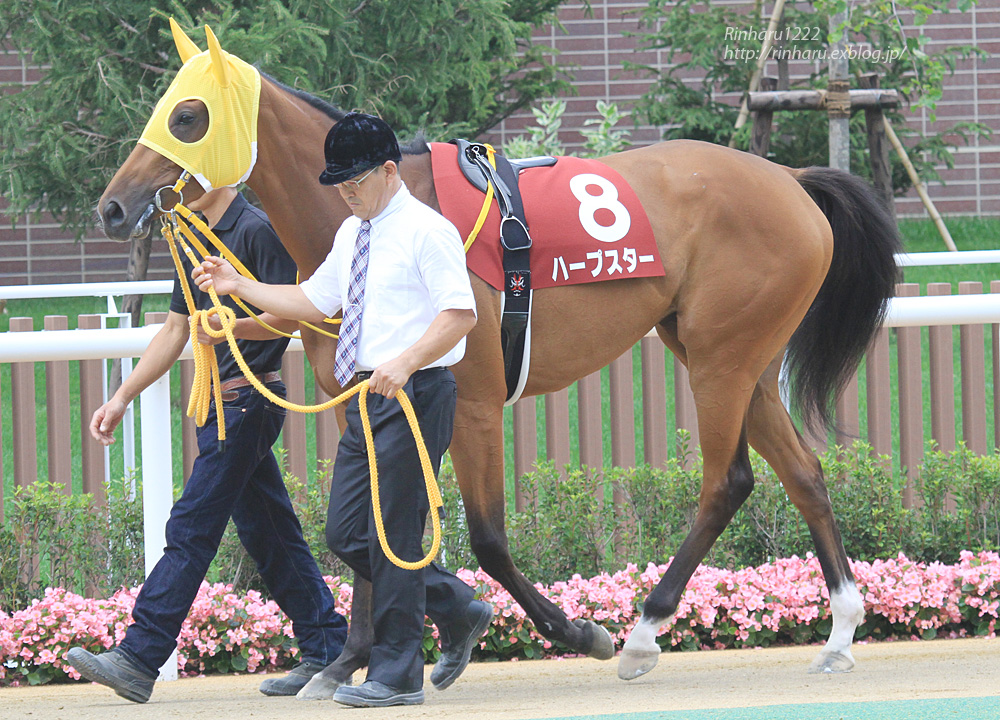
<point x="848" y="612"/>
<point x="640" y="653"/>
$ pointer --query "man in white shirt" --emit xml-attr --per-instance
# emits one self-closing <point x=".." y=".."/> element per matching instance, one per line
<point x="398" y="271"/>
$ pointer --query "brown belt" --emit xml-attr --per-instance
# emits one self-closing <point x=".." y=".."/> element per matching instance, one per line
<point x="239" y="382"/>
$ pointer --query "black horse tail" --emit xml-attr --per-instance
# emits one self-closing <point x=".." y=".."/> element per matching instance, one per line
<point x="851" y="305"/>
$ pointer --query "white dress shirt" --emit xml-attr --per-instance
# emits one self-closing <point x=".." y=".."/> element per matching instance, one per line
<point x="415" y="271"/>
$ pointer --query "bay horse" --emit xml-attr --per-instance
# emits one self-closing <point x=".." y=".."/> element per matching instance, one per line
<point x="757" y="258"/>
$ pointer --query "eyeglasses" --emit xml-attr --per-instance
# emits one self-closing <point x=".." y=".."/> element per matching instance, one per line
<point x="354" y="184"/>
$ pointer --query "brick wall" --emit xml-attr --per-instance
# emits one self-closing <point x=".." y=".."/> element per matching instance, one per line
<point x="35" y="250"/>
<point x="593" y="48"/>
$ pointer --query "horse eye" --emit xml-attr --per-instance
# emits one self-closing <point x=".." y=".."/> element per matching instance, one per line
<point x="185" y="118"/>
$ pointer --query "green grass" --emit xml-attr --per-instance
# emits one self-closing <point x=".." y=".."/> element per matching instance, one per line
<point x="968" y="234"/>
<point x="919" y="236"/>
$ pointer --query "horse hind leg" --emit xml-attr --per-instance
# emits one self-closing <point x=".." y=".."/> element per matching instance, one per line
<point x="726" y="484"/>
<point x="773" y="435"/>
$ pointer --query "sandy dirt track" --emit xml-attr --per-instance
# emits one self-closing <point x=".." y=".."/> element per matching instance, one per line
<point x="566" y="688"/>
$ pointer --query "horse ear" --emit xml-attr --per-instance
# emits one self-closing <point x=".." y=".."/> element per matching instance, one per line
<point x="185" y="45"/>
<point x="220" y="66"/>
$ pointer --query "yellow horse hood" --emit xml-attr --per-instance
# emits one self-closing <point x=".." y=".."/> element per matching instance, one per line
<point x="230" y="89"/>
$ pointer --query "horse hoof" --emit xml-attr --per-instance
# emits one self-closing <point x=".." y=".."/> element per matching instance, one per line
<point x="602" y="647"/>
<point x="636" y="663"/>
<point x="831" y="661"/>
<point x="320" y="687"/>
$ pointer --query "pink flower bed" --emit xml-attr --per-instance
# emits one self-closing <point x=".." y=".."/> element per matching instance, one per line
<point x="777" y="603"/>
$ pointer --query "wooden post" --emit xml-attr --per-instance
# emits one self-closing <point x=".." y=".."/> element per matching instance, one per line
<point x="760" y="138"/>
<point x="591" y="424"/>
<point x="22" y="378"/>
<point x="91" y="398"/>
<point x="878" y="145"/>
<point x="327" y="430"/>
<point x="911" y="399"/>
<point x="622" y="412"/>
<point x="294" y="432"/>
<point x="57" y="412"/>
<point x="848" y="414"/>
<point x="557" y="429"/>
<point x="822" y="99"/>
<point x="622" y="439"/>
<point x="879" y="395"/>
<point x="942" y="378"/>
<point x="784" y="80"/>
<point x="973" y="362"/>
<point x="654" y="402"/>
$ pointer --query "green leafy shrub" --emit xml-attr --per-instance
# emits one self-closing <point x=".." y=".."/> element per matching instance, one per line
<point x="50" y="538"/>
<point x="572" y="526"/>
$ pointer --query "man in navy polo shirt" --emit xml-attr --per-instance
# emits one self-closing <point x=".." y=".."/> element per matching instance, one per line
<point x="242" y="481"/>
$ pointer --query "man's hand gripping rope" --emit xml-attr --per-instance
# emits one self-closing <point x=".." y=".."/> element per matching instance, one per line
<point x="206" y="380"/>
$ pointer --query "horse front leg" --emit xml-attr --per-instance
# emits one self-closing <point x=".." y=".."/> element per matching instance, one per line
<point x="477" y="455"/>
<point x="357" y="650"/>
<point x="727" y="482"/>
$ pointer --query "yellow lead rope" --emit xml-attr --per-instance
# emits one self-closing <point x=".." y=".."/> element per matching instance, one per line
<point x="206" y="383"/>
<point x="485" y="210"/>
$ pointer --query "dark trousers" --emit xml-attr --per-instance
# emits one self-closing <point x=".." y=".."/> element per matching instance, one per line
<point x="400" y="598"/>
<point x="245" y="483"/>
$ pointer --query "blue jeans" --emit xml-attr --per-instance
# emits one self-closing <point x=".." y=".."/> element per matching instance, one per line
<point x="245" y="483"/>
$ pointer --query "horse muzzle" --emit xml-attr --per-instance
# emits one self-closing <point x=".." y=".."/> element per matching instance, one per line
<point x="115" y="220"/>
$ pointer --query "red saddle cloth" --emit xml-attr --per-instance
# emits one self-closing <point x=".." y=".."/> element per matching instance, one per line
<point x="585" y="221"/>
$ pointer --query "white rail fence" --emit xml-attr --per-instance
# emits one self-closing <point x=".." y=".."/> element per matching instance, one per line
<point x="156" y="451"/>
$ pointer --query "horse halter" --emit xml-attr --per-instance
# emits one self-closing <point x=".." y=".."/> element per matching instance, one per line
<point x="178" y="189"/>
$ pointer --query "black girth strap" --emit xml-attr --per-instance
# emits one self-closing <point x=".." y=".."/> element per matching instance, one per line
<point x="515" y="327"/>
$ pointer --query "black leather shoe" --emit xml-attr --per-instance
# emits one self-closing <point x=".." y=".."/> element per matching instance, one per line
<point x="294" y="681"/>
<point x="457" y="641"/>
<point x="372" y="693"/>
<point x="114" y="670"/>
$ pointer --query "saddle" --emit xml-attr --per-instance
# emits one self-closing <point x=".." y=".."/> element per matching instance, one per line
<point x="515" y="319"/>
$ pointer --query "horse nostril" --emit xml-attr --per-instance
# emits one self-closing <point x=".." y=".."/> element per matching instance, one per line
<point x="113" y="214"/>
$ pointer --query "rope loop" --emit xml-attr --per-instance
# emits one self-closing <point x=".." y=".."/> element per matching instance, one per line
<point x="208" y="387"/>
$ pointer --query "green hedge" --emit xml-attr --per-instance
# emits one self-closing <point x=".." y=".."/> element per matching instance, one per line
<point x="571" y="525"/>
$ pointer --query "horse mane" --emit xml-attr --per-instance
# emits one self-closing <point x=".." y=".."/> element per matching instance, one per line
<point x="416" y="146"/>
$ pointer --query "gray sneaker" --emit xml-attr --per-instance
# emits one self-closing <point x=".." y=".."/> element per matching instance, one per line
<point x="372" y="693"/>
<point x="114" y="670"/>
<point x="294" y="681"/>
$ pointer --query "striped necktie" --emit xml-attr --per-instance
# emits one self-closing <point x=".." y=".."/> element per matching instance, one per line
<point x="350" y="326"/>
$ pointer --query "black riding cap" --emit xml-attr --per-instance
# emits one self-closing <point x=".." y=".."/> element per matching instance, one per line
<point x="357" y="143"/>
